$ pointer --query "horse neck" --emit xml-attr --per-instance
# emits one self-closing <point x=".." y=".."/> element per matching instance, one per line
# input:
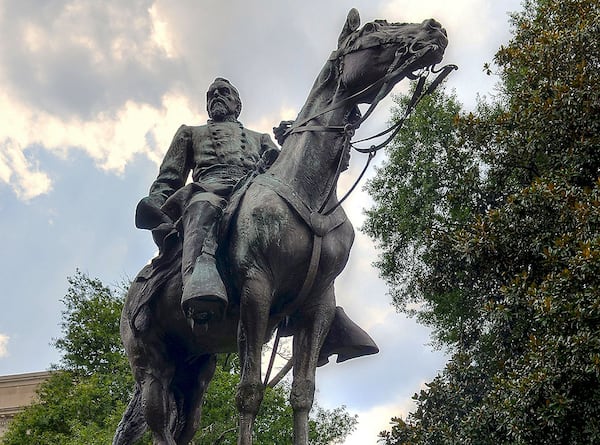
<point x="308" y="162"/>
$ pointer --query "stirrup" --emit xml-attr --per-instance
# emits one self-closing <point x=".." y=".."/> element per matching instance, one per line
<point x="204" y="295"/>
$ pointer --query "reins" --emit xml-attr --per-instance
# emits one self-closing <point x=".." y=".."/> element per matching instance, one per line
<point x="349" y="129"/>
<point x="418" y="94"/>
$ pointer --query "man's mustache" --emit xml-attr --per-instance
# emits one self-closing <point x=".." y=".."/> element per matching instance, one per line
<point x="217" y="101"/>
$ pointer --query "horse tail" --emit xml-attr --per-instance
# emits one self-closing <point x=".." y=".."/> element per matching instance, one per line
<point x="133" y="423"/>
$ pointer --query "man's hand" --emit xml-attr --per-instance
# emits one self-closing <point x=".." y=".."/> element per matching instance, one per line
<point x="267" y="159"/>
<point x="279" y="131"/>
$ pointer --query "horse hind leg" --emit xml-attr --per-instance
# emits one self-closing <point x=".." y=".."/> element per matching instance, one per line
<point x="192" y="381"/>
<point x="132" y="425"/>
<point x="160" y="408"/>
<point x="168" y="394"/>
<point x="314" y="322"/>
<point x="154" y="372"/>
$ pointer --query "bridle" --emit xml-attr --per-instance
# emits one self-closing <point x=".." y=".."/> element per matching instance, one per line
<point x="382" y="84"/>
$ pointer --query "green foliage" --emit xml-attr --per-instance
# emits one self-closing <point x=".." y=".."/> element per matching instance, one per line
<point x="329" y="427"/>
<point x="415" y="191"/>
<point x="511" y="282"/>
<point x="91" y="342"/>
<point x="432" y="184"/>
<point x="275" y="418"/>
<point x="83" y="400"/>
<point x="550" y="71"/>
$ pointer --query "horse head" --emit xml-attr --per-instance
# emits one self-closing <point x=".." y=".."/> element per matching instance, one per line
<point x="372" y="59"/>
<point x="366" y="65"/>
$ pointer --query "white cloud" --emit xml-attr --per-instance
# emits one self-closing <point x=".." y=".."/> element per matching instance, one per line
<point x="161" y="33"/>
<point x="462" y="24"/>
<point x="33" y="37"/>
<point x="372" y="421"/>
<point x="24" y="177"/>
<point x="267" y="121"/>
<point x="112" y="140"/>
<point x="4" y="345"/>
<point x="378" y="418"/>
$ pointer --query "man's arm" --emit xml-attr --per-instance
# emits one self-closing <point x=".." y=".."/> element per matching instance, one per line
<point x="172" y="175"/>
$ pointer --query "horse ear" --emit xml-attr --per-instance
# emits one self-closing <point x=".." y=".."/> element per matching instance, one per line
<point x="351" y="25"/>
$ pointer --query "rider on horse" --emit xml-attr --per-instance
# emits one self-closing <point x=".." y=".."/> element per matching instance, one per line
<point x="218" y="155"/>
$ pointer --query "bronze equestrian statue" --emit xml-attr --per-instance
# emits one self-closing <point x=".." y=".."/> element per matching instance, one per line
<point x="283" y="240"/>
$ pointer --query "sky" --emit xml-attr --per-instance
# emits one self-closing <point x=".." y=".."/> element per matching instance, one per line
<point x="91" y="94"/>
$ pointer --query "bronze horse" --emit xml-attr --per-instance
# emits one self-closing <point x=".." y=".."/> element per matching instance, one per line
<point x="287" y="242"/>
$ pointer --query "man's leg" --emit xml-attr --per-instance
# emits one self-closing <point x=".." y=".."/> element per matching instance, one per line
<point x="204" y="294"/>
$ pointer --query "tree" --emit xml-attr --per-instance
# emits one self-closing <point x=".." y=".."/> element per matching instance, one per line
<point x="511" y="282"/>
<point x="430" y="185"/>
<point x="83" y="400"/>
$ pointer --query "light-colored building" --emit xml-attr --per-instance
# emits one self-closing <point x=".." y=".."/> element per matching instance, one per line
<point x="16" y="392"/>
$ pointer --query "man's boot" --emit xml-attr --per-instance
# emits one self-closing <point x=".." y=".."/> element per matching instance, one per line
<point x="204" y="294"/>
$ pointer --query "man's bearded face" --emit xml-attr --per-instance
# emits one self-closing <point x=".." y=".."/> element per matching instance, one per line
<point x="222" y="101"/>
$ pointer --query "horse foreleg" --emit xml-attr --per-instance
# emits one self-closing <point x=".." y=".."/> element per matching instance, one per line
<point x="314" y="323"/>
<point x="255" y="304"/>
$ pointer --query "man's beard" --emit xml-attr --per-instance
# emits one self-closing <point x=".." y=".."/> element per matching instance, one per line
<point x="219" y="111"/>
